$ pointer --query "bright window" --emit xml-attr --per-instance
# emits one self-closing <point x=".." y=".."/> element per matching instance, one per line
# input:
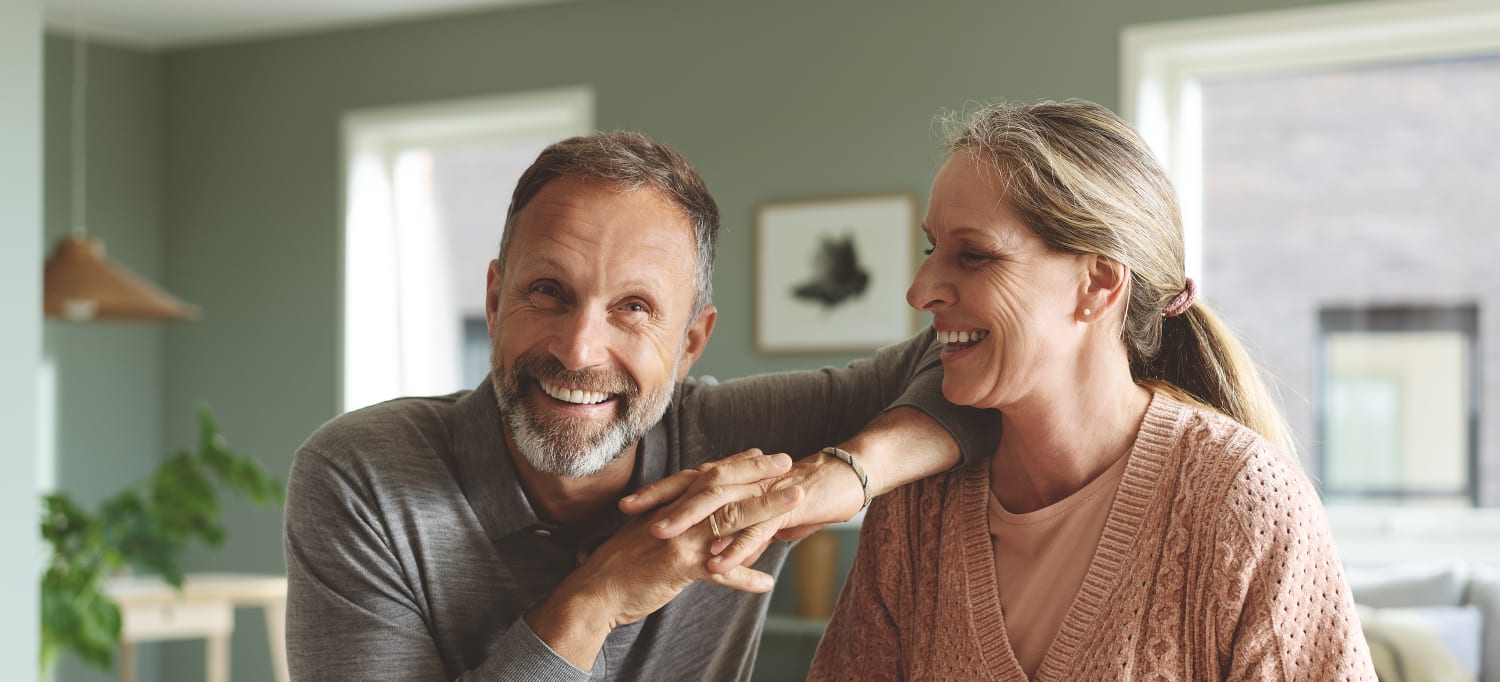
<point x="427" y="189"/>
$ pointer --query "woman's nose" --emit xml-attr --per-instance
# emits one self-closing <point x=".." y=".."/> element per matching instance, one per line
<point x="927" y="292"/>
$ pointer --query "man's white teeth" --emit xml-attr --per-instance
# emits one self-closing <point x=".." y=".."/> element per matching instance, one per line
<point x="962" y="336"/>
<point x="573" y="395"/>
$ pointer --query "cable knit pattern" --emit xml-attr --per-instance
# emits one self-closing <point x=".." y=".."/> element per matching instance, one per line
<point x="1216" y="563"/>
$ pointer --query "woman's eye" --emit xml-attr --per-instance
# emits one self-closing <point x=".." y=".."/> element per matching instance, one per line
<point x="973" y="256"/>
<point x="927" y="251"/>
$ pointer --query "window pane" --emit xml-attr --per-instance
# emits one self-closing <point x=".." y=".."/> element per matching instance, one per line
<point x="1364" y="436"/>
<point x="1395" y="413"/>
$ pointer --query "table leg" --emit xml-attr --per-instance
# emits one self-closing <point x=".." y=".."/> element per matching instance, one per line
<point x="218" y="659"/>
<point x="276" y="633"/>
<point x="127" y="661"/>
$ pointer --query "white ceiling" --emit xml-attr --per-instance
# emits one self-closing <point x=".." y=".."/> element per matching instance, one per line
<point x="159" y="24"/>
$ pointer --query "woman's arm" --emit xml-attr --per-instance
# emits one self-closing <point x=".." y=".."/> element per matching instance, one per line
<point x="1296" y="617"/>
<point x="888" y="411"/>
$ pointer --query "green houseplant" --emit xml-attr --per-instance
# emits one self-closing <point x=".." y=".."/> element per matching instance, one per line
<point x="145" y="527"/>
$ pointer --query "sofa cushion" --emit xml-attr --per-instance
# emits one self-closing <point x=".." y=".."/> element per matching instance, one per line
<point x="1441" y="583"/>
<point x="1423" y="643"/>
<point x="1484" y="593"/>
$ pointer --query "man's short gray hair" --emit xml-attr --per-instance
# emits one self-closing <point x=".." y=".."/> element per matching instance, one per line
<point x="628" y="161"/>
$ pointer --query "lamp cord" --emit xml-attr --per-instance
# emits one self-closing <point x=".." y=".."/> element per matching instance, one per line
<point x="80" y="133"/>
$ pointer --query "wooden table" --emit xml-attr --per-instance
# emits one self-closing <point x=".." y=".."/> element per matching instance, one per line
<point x="204" y="609"/>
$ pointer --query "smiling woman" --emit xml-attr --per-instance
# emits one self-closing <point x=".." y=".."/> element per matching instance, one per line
<point x="1142" y="514"/>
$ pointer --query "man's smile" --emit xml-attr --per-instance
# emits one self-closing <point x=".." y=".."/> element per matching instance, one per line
<point x="573" y="395"/>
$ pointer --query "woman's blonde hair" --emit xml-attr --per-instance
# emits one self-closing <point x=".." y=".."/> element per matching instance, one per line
<point x="1086" y="182"/>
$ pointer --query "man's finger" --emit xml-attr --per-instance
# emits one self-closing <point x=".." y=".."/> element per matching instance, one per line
<point x="655" y="494"/>
<point x="721" y="485"/>
<point x="746" y="548"/>
<point x="744" y="579"/>
<point x="736" y="516"/>
<point x="796" y="533"/>
<point x="755" y="555"/>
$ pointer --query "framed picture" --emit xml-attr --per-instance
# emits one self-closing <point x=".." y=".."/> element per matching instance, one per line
<point x="831" y="274"/>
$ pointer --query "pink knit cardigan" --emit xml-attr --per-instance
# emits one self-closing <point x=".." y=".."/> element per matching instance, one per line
<point x="1216" y="563"/>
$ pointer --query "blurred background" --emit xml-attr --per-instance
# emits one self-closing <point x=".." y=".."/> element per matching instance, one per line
<point x="328" y="180"/>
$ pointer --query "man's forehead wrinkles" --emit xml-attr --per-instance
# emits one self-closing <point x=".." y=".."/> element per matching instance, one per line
<point x="666" y="241"/>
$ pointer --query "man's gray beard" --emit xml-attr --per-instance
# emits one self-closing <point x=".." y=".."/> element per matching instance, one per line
<point x="566" y="448"/>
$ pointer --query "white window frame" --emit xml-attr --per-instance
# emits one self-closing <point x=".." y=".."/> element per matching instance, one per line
<point x="1162" y="64"/>
<point x="380" y="349"/>
<point x="1161" y="67"/>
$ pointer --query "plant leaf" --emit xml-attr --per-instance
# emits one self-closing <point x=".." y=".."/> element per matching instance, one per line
<point x="146" y="526"/>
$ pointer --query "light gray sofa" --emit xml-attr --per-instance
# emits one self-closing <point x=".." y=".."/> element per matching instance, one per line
<point x="1455" y="602"/>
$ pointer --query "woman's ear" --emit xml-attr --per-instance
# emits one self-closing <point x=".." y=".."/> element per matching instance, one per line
<point x="1104" y="286"/>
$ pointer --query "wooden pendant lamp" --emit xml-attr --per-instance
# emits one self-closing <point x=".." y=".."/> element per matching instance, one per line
<point x="80" y="283"/>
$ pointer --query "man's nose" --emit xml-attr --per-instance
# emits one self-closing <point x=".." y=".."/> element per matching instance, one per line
<point x="583" y="340"/>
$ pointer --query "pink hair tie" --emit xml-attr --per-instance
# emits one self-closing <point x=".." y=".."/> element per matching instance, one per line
<point x="1182" y="301"/>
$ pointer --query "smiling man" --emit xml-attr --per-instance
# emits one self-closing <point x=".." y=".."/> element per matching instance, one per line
<point x="478" y="536"/>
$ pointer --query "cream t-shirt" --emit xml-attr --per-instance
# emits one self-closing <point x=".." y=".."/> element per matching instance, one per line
<point x="1041" y="559"/>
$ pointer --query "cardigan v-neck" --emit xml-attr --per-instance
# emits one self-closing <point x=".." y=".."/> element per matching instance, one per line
<point x="1144" y="461"/>
<point x="1041" y="558"/>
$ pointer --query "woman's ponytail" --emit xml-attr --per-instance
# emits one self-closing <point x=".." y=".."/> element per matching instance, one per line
<point x="1201" y="361"/>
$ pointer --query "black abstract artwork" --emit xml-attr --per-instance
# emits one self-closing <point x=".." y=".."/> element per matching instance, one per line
<point x="837" y="274"/>
<point x="829" y="273"/>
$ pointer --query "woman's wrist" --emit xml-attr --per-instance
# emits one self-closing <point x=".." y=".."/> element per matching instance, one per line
<point x="859" y="472"/>
<point x="834" y="491"/>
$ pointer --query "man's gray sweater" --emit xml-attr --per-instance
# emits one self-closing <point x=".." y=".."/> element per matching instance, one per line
<point x="413" y="553"/>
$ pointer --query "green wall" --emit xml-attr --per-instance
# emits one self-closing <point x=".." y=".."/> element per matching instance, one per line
<point x="108" y="375"/>
<point x="20" y="345"/>
<point x="772" y="99"/>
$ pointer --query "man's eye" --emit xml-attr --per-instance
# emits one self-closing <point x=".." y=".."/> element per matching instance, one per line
<point x="634" y="307"/>
<point x="545" y="295"/>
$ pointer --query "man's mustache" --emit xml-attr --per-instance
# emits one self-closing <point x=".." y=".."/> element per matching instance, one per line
<point x="548" y="369"/>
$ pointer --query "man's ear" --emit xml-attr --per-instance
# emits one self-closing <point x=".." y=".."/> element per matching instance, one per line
<point x="697" y="340"/>
<point x="1104" y="286"/>
<point x="492" y="296"/>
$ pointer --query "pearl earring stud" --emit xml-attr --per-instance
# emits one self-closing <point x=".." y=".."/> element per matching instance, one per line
<point x="1087" y="312"/>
